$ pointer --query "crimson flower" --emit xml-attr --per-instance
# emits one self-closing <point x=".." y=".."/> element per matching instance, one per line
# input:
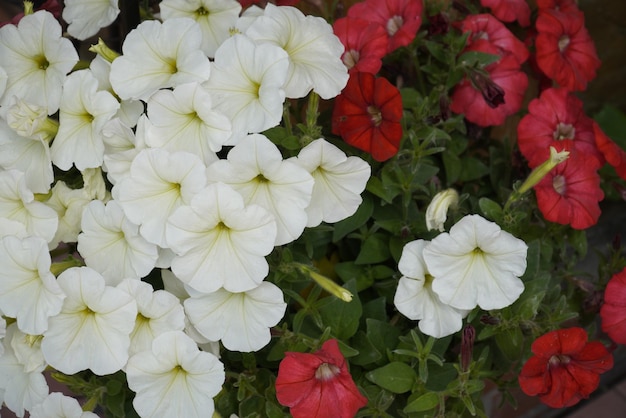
<point x="367" y="115"/>
<point x="565" y="51"/>
<point x="365" y="44"/>
<point x="565" y="367"/>
<point x="562" y="5"/>
<point x="613" y="154"/>
<point x="486" y="27"/>
<point x="570" y="192"/>
<point x="474" y="96"/>
<point x="557" y="119"/>
<point x="401" y="18"/>
<point x="509" y="10"/>
<point x="318" y="385"/>
<point x="613" y="311"/>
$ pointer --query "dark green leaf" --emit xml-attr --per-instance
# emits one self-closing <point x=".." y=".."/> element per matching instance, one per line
<point x="360" y="217"/>
<point x="490" y="209"/>
<point x="375" y="249"/>
<point x="396" y="377"/>
<point x="343" y="317"/>
<point x="424" y="402"/>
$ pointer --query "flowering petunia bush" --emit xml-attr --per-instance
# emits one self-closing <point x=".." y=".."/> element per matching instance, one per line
<point x="304" y="208"/>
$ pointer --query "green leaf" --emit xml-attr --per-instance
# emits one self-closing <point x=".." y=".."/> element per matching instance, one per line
<point x="510" y="342"/>
<point x="472" y="169"/>
<point x="375" y="249"/>
<point x="440" y="376"/>
<point x="396" y="377"/>
<point x="424" y="402"/>
<point x="612" y="122"/>
<point x="368" y="353"/>
<point x="477" y="58"/>
<point x="377" y="188"/>
<point x="410" y="97"/>
<point x="384" y="334"/>
<point x="490" y="209"/>
<point x="578" y="240"/>
<point x="349" y="271"/>
<point x="360" y="218"/>
<point x="343" y="317"/>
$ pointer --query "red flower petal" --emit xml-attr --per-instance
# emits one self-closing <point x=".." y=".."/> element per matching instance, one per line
<point x="613" y="311"/>
<point x="613" y="154"/>
<point x="509" y="10"/>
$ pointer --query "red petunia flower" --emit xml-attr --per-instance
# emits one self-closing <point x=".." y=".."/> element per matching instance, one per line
<point x="613" y="311"/>
<point x="565" y="367"/>
<point x="367" y="115"/>
<point x="487" y="27"/>
<point x="557" y="119"/>
<point x="474" y="96"/>
<point x="401" y="18"/>
<point x="318" y="385"/>
<point x="365" y="44"/>
<point x="509" y="10"/>
<point x="569" y="194"/>
<point x="561" y="5"/>
<point x="613" y="154"/>
<point x="565" y="51"/>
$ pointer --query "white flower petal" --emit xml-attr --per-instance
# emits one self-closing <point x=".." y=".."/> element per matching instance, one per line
<point x="174" y="378"/>
<point x="86" y="18"/>
<point x="93" y="329"/>
<point x="57" y="405"/>
<point x="241" y="321"/>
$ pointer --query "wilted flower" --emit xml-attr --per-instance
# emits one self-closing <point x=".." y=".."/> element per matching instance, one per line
<point x="437" y="210"/>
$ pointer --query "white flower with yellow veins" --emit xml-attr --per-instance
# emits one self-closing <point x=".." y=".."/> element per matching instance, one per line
<point x="92" y="331"/>
<point x="22" y="389"/>
<point x="256" y="169"/>
<point x="215" y="17"/>
<point x="69" y="204"/>
<point x="416" y="300"/>
<point x="220" y="242"/>
<point x="314" y="51"/>
<point x="83" y="112"/>
<point x="184" y="120"/>
<point x="158" y="311"/>
<point x="110" y="243"/>
<point x="339" y="181"/>
<point x="476" y="264"/>
<point x="17" y="203"/>
<point x="27" y="350"/>
<point x="86" y="18"/>
<point x="121" y="146"/>
<point x="437" y="210"/>
<point x="28" y="155"/>
<point x="31" y="121"/>
<point x="174" y="378"/>
<point x="159" y="182"/>
<point x="57" y="405"/>
<point x="36" y="59"/>
<point x="246" y="82"/>
<point x="159" y="55"/>
<point x="242" y="321"/>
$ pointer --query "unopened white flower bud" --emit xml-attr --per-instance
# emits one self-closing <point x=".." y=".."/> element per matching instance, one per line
<point x="437" y="211"/>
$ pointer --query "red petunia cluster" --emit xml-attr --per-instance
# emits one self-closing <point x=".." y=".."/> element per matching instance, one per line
<point x="565" y="367"/>
<point x="318" y="385"/>
<point x="367" y="113"/>
<point x="487" y="96"/>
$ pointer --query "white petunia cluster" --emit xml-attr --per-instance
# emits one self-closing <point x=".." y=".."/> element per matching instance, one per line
<point x="177" y="178"/>
<point x="476" y="264"/>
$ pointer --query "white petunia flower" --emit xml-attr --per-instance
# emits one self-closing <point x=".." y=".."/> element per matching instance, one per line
<point x="94" y="185"/>
<point x="111" y="244"/>
<point x="28" y="290"/>
<point x="215" y="17"/>
<point x="159" y="55"/>
<point x="57" y="405"/>
<point x="184" y="120"/>
<point x="28" y="155"/>
<point x="86" y="18"/>
<point x="437" y="210"/>
<point x="255" y="168"/>
<point x="22" y="390"/>
<point x="93" y="329"/>
<point x="241" y="321"/>
<point x="36" y="59"/>
<point x="339" y="181"/>
<point x="159" y="182"/>
<point x="31" y="121"/>
<point x="476" y="264"/>
<point x="314" y="51"/>
<point x="121" y="146"/>
<point x="220" y="242"/>
<point x="174" y="378"/>
<point x="157" y="312"/>
<point x="27" y="350"/>
<point x="416" y="300"/>
<point x="246" y="82"/>
<point x="83" y="112"/>
<point x="69" y="204"/>
<point x="17" y="203"/>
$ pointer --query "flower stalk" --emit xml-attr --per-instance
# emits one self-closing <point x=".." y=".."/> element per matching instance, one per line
<point x="326" y="283"/>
